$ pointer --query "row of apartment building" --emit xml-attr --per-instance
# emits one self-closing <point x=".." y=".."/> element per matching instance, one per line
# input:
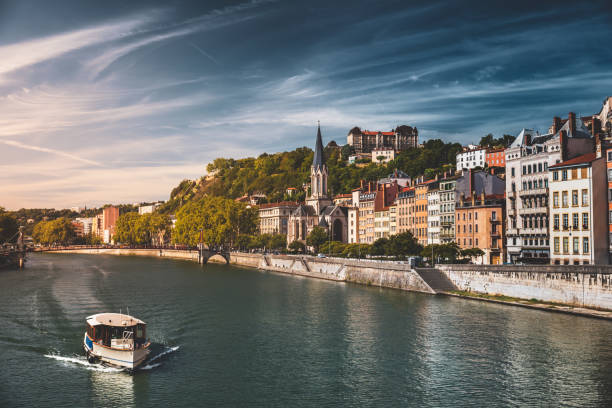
<point x="547" y="198"/>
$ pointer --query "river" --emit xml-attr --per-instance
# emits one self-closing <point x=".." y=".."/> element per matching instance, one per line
<point x="230" y="336"/>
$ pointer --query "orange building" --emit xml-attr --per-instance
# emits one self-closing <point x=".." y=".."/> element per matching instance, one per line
<point x="404" y="205"/>
<point x="420" y="210"/>
<point x="480" y="224"/>
<point x="496" y="157"/>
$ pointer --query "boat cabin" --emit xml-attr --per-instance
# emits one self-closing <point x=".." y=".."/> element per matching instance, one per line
<point x="117" y="331"/>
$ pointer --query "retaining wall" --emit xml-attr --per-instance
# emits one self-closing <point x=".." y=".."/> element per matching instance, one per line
<point x="584" y="285"/>
<point x="163" y="253"/>
<point x="384" y="274"/>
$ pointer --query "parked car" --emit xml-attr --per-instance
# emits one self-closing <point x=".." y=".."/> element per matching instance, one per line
<point x="321" y="256"/>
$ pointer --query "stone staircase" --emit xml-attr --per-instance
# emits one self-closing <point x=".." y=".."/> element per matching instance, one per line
<point x="436" y="279"/>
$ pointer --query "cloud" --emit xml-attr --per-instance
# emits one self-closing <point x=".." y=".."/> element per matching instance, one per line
<point x="51" y="151"/>
<point x="30" y="52"/>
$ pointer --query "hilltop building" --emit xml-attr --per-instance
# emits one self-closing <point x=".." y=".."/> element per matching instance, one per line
<point x="401" y="138"/>
<point x="319" y="210"/>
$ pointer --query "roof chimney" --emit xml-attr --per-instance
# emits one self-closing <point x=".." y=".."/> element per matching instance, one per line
<point x="571" y="118"/>
<point x="563" y="144"/>
<point x="482" y="198"/>
<point x="595" y="126"/>
<point x="556" y="124"/>
<point x="473" y="198"/>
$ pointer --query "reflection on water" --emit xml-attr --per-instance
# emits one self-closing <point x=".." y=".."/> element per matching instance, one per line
<point x="112" y="389"/>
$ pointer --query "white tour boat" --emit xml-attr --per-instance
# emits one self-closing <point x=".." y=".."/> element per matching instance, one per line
<point x="116" y="339"/>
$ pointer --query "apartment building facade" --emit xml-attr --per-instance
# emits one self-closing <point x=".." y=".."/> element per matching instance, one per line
<point x="528" y="160"/>
<point x="480" y="224"/>
<point x="433" y="216"/>
<point x="578" y="201"/>
<point x="447" y="194"/>
<point x="274" y="217"/>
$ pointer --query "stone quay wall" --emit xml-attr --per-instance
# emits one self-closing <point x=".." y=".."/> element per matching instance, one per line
<point x="162" y="253"/>
<point x="374" y="273"/>
<point x="579" y="285"/>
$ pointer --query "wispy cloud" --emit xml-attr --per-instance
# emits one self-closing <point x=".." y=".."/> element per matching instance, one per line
<point x="20" y="145"/>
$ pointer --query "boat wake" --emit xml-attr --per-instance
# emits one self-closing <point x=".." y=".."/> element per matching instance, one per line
<point x="82" y="361"/>
<point x="162" y="354"/>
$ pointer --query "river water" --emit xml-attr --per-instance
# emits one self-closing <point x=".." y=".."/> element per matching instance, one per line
<point x="239" y="337"/>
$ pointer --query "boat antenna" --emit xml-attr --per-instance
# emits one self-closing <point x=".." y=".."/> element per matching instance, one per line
<point x="128" y="310"/>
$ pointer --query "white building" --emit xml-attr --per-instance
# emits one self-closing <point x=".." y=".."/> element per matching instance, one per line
<point x="447" y="200"/>
<point x="578" y="210"/>
<point x="382" y="155"/>
<point x="471" y="158"/>
<point x="527" y="182"/>
<point x="87" y="224"/>
<point x="148" y="209"/>
<point x="433" y="217"/>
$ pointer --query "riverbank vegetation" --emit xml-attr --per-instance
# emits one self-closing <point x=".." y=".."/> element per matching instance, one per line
<point x="271" y="174"/>
<point x="143" y="229"/>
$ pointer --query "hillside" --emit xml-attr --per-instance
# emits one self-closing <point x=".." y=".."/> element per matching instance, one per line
<point x="272" y="174"/>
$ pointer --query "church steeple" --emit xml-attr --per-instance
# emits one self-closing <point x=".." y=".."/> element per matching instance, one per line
<point x="318" y="176"/>
<point x="318" y="161"/>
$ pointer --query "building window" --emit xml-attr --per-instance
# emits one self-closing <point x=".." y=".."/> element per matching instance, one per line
<point x="565" y="222"/>
<point x="585" y="245"/>
<point x="585" y="198"/>
<point x="556" y="175"/>
<point x="585" y="221"/>
<point x="575" y="221"/>
<point x="564" y="198"/>
<point x="512" y="171"/>
<point x="609" y="174"/>
<point x="575" y="198"/>
<point x="610" y="156"/>
<point x="576" y="245"/>
<point x="556" y="244"/>
<point x="565" y="245"/>
<point x="476" y="228"/>
<point x="556" y="199"/>
<point x="563" y="175"/>
<point x="556" y="222"/>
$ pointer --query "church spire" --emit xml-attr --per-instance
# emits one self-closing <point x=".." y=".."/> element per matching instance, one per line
<point x="318" y="161"/>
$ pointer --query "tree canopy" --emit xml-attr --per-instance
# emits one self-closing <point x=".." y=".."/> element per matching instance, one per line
<point x="220" y="220"/>
<point x="59" y="231"/>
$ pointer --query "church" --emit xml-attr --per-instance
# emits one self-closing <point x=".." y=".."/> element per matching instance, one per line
<point x="318" y="210"/>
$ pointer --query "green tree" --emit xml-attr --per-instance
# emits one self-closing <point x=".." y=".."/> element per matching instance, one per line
<point x="402" y="245"/>
<point x="59" y="231"/>
<point x="219" y="219"/>
<point x="128" y="229"/>
<point x="316" y="238"/>
<point x="297" y="247"/>
<point x="8" y="227"/>
<point x="379" y="247"/>
<point x="277" y="241"/>
<point x="471" y="253"/>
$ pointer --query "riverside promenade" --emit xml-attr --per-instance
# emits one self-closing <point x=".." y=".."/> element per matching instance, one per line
<point x="584" y="290"/>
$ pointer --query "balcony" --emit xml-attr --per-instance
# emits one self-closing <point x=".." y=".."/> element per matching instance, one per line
<point x="494" y="220"/>
<point x="534" y="231"/>
<point x="512" y="231"/>
<point x="534" y="191"/>
<point x="533" y="210"/>
<point x="496" y="233"/>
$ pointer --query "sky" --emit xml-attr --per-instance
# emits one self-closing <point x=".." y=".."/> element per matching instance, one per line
<point x="118" y="101"/>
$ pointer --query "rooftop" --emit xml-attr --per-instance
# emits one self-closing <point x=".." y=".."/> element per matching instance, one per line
<point x="113" y="319"/>
<point x="279" y="204"/>
<point x="576" y="161"/>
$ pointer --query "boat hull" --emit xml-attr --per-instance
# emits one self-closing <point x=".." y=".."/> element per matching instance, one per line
<point x="129" y="359"/>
